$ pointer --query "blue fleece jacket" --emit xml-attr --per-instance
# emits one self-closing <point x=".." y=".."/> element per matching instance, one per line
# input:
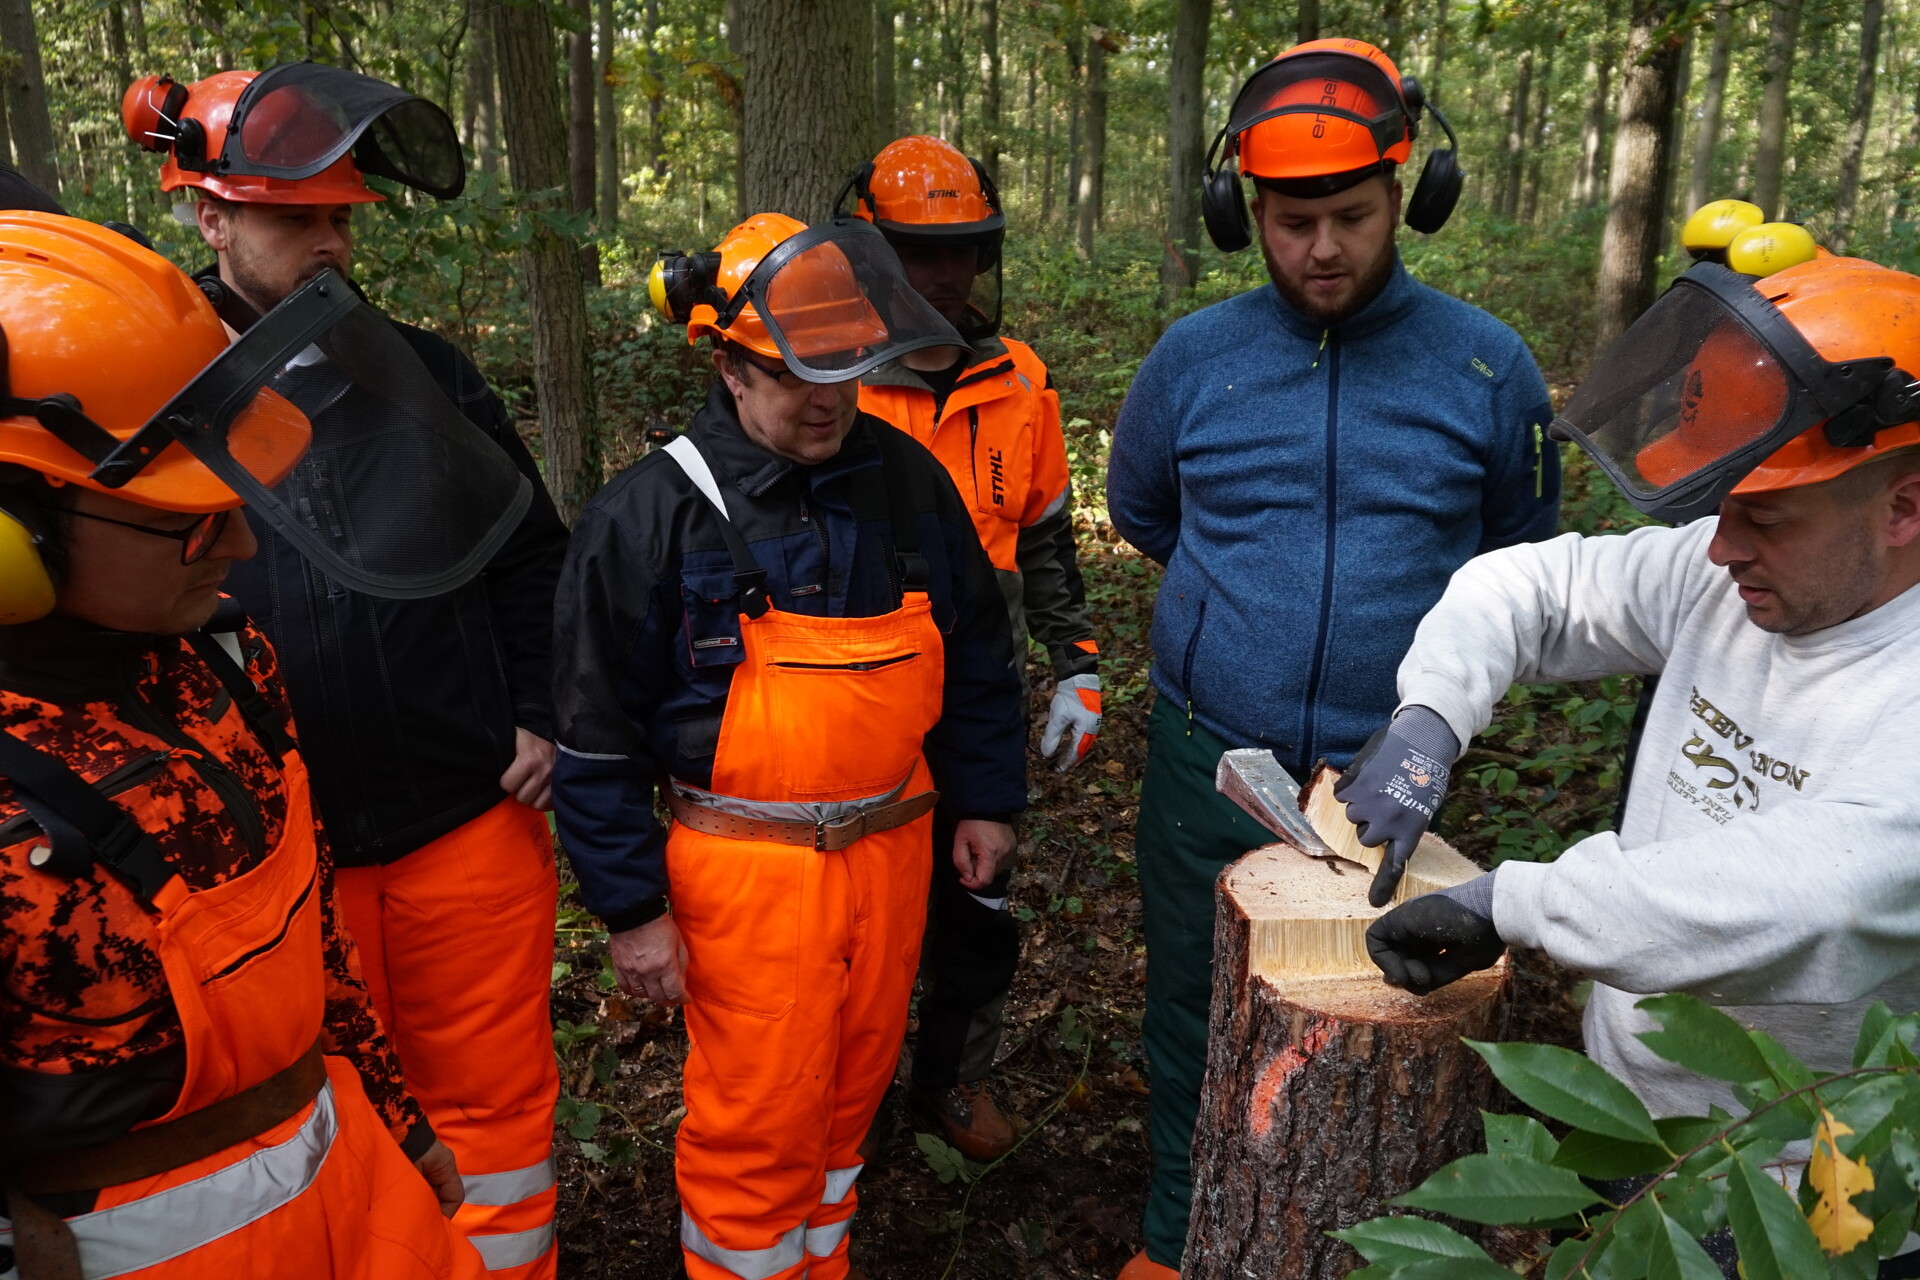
<point x="1311" y="490"/>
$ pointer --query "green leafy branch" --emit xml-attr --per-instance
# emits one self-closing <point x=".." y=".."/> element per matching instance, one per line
<point x="1858" y="1191"/>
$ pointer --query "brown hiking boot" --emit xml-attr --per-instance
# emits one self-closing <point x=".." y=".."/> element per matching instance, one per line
<point x="969" y="1119"/>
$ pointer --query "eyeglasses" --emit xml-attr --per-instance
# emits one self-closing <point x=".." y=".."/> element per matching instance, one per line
<point x="778" y="371"/>
<point x="195" y="540"/>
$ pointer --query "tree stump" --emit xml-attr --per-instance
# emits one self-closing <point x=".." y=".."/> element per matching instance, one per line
<point x="1327" y="1092"/>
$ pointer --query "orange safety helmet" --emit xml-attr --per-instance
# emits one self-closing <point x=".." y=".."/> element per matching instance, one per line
<point x="923" y="190"/>
<point x="820" y="307"/>
<point x="1341" y="108"/>
<point x="161" y="114"/>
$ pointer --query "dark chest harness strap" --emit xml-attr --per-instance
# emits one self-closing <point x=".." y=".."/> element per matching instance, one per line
<point x="267" y="724"/>
<point x="82" y="825"/>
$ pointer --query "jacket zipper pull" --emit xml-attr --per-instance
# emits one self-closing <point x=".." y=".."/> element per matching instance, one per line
<point x="1324" y="333"/>
<point x="1189" y="717"/>
<point x="1539" y="462"/>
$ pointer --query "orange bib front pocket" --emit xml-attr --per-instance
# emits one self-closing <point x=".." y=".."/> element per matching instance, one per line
<point x="738" y="905"/>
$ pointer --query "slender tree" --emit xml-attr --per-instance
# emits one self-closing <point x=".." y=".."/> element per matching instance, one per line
<point x="1630" y="245"/>
<point x="1713" y="103"/>
<point x="1843" y="201"/>
<point x="609" y="123"/>
<point x="1537" y="134"/>
<point x="1590" y="175"/>
<point x="1093" y="168"/>
<point x="886" y="115"/>
<point x="34" y="148"/>
<point x="1514" y="153"/>
<point x="1306" y="21"/>
<point x="536" y="135"/>
<point x="482" y="107"/>
<point x="1186" y="146"/>
<point x="580" y="126"/>
<point x="813" y="52"/>
<point x="990" y="89"/>
<point x="1770" y="148"/>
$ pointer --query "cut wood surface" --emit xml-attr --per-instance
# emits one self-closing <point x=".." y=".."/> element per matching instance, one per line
<point x="1327" y="1092"/>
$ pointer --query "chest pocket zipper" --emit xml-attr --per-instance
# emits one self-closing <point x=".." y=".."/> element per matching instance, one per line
<point x="873" y="665"/>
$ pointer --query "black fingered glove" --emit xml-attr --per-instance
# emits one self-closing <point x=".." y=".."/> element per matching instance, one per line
<point x="1437" y="938"/>
<point x="1394" y="786"/>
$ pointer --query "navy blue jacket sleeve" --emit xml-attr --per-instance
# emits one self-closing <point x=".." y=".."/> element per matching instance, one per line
<point x="1521" y="498"/>
<point x="609" y="651"/>
<point x="977" y="750"/>
<point x="1143" y="481"/>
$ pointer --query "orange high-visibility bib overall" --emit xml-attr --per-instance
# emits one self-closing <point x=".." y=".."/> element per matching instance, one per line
<point x="801" y="959"/>
<point x="326" y="1194"/>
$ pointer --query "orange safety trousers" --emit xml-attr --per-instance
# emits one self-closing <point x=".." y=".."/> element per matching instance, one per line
<point x="324" y="1195"/>
<point x="456" y="942"/>
<point x="800" y="962"/>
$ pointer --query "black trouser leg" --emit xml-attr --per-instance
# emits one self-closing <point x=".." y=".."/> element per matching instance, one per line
<point x="966" y="966"/>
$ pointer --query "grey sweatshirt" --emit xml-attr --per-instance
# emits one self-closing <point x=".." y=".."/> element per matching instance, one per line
<point x="1769" y="858"/>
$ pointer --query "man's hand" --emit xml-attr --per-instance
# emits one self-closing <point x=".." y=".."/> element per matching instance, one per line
<point x="1073" y="715"/>
<point x="436" y="1166"/>
<point x="980" y="850"/>
<point x="529" y="778"/>
<point x="651" y="961"/>
<point x="1394" y="787"/>
<point x="1438" y="938"/>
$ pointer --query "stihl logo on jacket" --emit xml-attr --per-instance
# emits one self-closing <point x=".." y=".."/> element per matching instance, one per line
<point x="997" y="471"/>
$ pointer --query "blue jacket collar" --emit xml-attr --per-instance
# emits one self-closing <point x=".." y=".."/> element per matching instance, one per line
<point x="1392" y="304"/>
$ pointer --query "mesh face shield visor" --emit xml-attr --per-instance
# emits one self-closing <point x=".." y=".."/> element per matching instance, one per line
<point x="981" y="318"/>
<point x="1708" y="383"/>
<point x="297" y="118"/>
<point x="398" y="495"/>
<point x="835" y="302"/>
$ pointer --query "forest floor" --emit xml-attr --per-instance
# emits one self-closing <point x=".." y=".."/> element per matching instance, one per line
<point x="1066" y="1203"/>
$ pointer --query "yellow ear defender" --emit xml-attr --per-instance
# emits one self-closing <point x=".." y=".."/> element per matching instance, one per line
<point x="26" y="588"/>
<point x="1714" y="225"/>
<point x="681" y="281"/>
<point x="1770" y="247"/>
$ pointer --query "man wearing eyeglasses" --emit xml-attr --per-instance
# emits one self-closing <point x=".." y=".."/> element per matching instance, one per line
<point x="426" y="722"/>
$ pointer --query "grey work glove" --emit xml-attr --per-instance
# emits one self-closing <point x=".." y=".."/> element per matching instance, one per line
<point x="1437" y="938"/>
<point x="1394" y="787"/>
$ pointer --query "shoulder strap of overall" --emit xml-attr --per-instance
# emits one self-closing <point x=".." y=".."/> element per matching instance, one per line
<point x="81" y="824"/>
<point x="898" y="476"/>
<point x="750" y="580"/>
<point x="218" y="645"/>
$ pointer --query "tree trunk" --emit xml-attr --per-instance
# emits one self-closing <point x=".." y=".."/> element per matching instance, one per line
<point x="1306" y="21"/>
<point x="1093" y="169"/>
<point x="1439" y="63"/>
<point x="1671" y="217"/>
<point x="1844" y="199"/>
<point x="1713" y="102"/>
<point x="1630" y="245"/>
<point x="655" y="89"/>
<point x="137" y="20"/>
<point x="990" y="90"/>
<point x="549" y="263"/>
<point x="816" y="53"/>
<point x="609" y="121"/>
<point x="1392" y="24"/>
<point x="1770" y="148"/>
<point x="483" y="97"/>
<point x="736" y="14"/>
<point x="1514" y="154"/>
<point x="1327" y="1092"/>
<point x="1537" y="136"/>
<point x="34" y="148"/>
<point x="1046" y="162"/>
<point x="580" y="130"/>
<point x="1590" y="173"/>
<point x="1186" y="148"/>
<point x="1076" y="111"/>
<point x="886" y="115"/>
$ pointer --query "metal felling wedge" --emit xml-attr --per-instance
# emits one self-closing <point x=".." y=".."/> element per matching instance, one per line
<point x="1254" y="780"/>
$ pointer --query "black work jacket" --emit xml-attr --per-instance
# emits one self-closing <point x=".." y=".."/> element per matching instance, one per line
<point x="407" y="707"/>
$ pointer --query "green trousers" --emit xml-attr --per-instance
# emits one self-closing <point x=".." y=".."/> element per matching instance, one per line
<point x="1187" y="833"/>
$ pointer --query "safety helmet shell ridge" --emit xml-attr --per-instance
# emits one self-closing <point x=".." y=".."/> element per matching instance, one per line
<point x="740" y="252"/>
<point x="1356" y="81"/>
<point x="88" y="313"/>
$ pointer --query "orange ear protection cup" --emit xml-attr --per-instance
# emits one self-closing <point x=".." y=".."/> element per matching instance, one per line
<point x="1223" y="204"/>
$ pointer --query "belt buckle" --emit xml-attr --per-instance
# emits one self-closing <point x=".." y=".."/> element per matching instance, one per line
<point x="821" y="830"/>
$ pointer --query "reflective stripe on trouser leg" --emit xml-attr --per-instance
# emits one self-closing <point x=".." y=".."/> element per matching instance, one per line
<point x="827" y="1229"/>
<point x="801" y="965"/>
<point x="784" y="1258"/>
<point x="284" y="1206"/>
<point x="461" y="973"/>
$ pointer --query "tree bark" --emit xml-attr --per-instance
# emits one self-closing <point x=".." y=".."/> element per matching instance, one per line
<point x="736" y="17"/>
<point x="1306" y="21"/>
<point x="1671" y="217"/>
<point x="1713" y="103"/>
<point x="1590" y="177"/>
<point x="483" y="113"/>
<point x="809" y="101"/>
<point x="990" y="89"/>
<point x="886" y="114"/>
<point x="1537" y="136"/>
<point x="34" y="148"/>
<point x="1093" y="168"/>
<point x="580" y="127"/>
<point x="137" y="21"/>
<point x="549" y="263"/>
<point x="1856" y="148"/>
<point x="656" y="90"/>
<point x="1327" y="1092"/>
<point x="1076" y="104"/>
<point x="1630" y="245"/>
<point x="1514" y="154"/>
<point x="1186" y="148"/>
<point x="609" y="122"/>
<point x="1770" y="147"/>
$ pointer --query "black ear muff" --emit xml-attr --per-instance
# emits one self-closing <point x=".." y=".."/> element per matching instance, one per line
<point x="859" y="185"/>
<point x="989" y="252"/>
<point x="679" y="282"/>
<point x="1414" y="98"/>
<point x="1438" y="190"/>
<point x="190" y="147"/>
<point x="1223" y="204"/>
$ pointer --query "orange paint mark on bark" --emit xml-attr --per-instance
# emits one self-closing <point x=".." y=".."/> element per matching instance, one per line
<point x="1289" y="1060"/>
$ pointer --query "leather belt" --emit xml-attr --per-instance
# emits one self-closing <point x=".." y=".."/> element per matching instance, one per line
<point x="827" y="837"/>
<point x="142" y="1153"/>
